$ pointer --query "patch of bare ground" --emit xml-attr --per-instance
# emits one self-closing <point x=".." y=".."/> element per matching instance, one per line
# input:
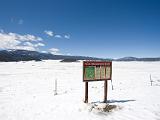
<point x="104" y="107"/>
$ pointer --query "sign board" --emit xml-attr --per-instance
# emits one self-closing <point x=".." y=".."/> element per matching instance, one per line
<point x="97" y="70"/>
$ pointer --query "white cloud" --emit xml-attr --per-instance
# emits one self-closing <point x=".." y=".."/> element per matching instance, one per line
<point x="27" y="37"/>
<point x="33" y="45"/>
<point x="68" y="54"/>
<point x="55" y="51"/>
<point x="17" y="41"/>
<point x="26" y="48"/>
<point x="58" y="36"/>
<point x="28" y="44"/>
<point x="44" y="52"/>
<point x="49" y="32"/>
<point x="39" y="45"/>
<point x="67" y="36"/>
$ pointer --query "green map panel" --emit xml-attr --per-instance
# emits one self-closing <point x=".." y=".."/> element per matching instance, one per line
<point x="90" y="73"/>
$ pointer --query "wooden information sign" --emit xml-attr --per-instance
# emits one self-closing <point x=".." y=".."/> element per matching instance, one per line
<point x="96" y="71"/>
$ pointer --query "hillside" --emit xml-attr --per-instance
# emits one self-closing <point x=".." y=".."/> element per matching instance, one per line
<point x="24" y="55"/>
<point x="137" y="59"/>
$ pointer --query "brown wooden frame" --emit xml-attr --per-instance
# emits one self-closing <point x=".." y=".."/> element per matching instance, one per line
<point x="97" y="63"/>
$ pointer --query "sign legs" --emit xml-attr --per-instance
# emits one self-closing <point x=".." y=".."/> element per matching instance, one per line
<point x="105" y="90"/>
<point x="86" y="92"/>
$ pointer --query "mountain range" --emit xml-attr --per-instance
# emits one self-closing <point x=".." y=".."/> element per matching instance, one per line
<point x="25" y="55"/>
<point x="138" y="59"/>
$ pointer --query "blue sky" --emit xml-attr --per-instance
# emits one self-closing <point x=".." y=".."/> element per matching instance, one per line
<point x="100" y="28"/>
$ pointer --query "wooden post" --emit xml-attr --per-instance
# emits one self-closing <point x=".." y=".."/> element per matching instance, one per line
<point x="151" y="79"/>
<point x="55" y="90"/>
<point x="105" y="90"/>
<point x="86" y="92"/>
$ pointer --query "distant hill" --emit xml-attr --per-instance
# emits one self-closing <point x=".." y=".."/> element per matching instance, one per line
<point x="137" y="59"/>
<point x="25" y="55"/>
<point x="69" y="60"/>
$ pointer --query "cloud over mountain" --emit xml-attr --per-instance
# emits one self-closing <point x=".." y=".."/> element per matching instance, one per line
<point x="49" y="33"/>
<point x="17" y="41"/>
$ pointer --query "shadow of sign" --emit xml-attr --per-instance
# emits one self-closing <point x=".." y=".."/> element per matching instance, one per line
<point x="115" y="101"/>
<point x="120" y="101"/>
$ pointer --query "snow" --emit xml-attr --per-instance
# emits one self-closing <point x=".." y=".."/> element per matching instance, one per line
<point x="27" y="92"/>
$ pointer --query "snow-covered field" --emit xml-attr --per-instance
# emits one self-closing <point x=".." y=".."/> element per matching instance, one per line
<point x="27" y="92"/>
